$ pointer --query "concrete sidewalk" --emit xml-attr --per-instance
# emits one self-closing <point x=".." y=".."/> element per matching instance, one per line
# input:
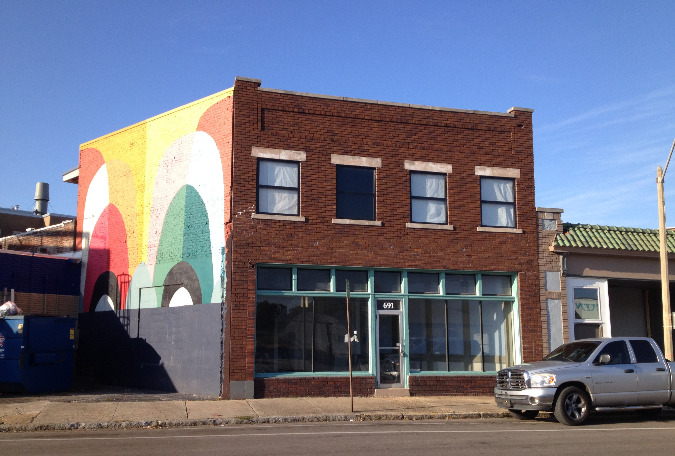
<point x="115" y="411"/>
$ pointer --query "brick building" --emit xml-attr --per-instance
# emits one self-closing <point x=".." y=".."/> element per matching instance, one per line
<point x="39" y="268"/>
<point x="258" y="206"/>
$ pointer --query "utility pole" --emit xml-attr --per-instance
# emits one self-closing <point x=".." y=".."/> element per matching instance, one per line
<point x="665" y="280"/>
<point x="349" y="348"/>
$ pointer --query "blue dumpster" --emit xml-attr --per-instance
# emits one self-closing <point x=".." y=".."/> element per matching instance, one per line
<point x="37" y="354"/>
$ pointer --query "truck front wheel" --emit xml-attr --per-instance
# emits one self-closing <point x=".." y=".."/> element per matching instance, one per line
<point x="572" y="406"/>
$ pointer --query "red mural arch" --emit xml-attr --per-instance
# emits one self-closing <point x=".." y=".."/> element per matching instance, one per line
<point x="109" y="235"/>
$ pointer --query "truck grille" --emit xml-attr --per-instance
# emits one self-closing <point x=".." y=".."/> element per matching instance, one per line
<point x="511" y="379"/>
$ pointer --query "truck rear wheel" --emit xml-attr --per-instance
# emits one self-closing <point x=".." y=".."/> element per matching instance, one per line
<point x="572" y="406"/>
<point x="524" y="414"/>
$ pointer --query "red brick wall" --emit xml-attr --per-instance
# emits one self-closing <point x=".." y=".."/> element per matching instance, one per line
<point x="466" y="385"/>
<point x="313" y="386"/>
<point x="51" y="240"/>
<point x="324" y="126"/>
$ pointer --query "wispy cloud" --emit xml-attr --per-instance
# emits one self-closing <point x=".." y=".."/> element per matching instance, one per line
<point x="650" y="105"/>
<point x="544" y="79"/>
<point x="604" y="160"/>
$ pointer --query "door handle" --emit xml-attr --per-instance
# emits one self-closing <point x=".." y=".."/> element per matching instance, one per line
<point x="660" y="369"/>
<point x="629" y="371"/>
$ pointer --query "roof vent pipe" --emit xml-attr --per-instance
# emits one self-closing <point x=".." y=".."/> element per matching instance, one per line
<point x="41" y="198"/>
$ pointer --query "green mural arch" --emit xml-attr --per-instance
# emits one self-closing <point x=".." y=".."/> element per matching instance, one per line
<point x="185" y="237"/>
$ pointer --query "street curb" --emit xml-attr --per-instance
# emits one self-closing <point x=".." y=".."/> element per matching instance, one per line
<point x="161" y="424"/>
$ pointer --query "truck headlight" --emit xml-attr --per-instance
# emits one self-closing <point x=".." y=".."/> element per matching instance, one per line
<point x="542" y="380"/>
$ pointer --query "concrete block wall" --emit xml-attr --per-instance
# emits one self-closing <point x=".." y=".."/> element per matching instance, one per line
<point x="172" y="350"/>
<point x="321" y="126"/>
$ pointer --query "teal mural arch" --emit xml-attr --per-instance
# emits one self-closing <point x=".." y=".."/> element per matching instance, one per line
<point x="185" y="237"/>
<point x="141" y="288"/>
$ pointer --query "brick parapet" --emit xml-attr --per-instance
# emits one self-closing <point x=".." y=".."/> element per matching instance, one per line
<point x="49" y="240"/>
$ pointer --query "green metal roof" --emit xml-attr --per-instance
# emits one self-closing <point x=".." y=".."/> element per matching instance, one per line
<point x="612" y="237"/>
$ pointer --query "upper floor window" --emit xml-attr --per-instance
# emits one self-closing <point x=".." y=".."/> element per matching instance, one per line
<point x="355" y="192"/>
<point x="498" y="202"/>
<point x="428" y="198"/>
<point x="278" y="187"/>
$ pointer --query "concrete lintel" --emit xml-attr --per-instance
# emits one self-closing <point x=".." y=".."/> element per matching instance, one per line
<point x="493" y="171"/>
<point x="428" y="166"/>
<point x="279" y="154"/>
<point x="351" y="160"/>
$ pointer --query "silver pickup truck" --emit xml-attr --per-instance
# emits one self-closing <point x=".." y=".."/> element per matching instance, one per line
<point x="620" y="373"/>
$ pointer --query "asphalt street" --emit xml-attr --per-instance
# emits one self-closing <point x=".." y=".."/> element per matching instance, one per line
<point x="623" y="435"/>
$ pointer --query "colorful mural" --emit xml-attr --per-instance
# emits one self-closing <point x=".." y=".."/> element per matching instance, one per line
<point x="152" y="209"/>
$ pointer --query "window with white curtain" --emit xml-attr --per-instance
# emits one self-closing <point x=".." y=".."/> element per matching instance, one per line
<point x="498" y="202"/>
<point x="428" y="198"/>
<point x="278" y="187"/>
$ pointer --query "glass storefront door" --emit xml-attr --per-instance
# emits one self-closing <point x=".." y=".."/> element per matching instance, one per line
<point x="389" y="349"/>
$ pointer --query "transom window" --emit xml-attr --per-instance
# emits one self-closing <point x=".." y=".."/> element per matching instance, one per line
<point x="496" y="285"/>
<point x="422" y="282"/>
<point x="428" y="198"/>
<point x="498" y="202"/>
<point x="355" y="192"/>
<point x="460" y="284"/>
<point x="278" y="187"/>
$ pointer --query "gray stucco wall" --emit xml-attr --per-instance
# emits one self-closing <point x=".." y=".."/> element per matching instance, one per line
<point x="176" y="349"/>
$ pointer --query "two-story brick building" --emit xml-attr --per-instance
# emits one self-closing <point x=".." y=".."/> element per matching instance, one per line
<point x="270" y="203"/>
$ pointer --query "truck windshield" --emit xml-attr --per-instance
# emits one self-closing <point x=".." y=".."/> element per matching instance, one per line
<point x="574" y="352"/>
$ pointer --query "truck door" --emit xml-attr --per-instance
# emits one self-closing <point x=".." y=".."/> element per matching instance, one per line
<point x="614" y="383"/>
<point x="653" y="374"/>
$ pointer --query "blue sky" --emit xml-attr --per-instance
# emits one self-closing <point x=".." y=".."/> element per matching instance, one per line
<point x="600" y="76"/>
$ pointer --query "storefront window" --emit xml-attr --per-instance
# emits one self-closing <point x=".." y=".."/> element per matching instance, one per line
<point x="497" y="322"/>
<point x="465" y="323"/>
<point x="428" y="335"/>
<point x="309" y="334"/>
<point x="460" y="335"/>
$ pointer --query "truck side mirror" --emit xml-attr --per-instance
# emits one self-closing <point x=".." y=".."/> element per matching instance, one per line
<point x="604" y="359"/>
